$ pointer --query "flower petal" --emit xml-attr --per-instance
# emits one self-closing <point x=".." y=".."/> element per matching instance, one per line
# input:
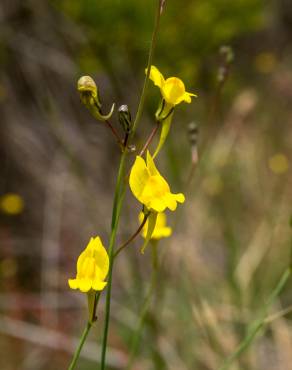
<point x="170" y="201"/>
<point x="156" y="76"/>
<point x="84" y="255"/>
<point x="180" y="197"/>
<point x="101" y="258"/>
<point x="85" y="285"/>
<point x="158" y="205"/>
<point x="187" y="97"/>
<point x="98" y="285"/>
<point x="73" y="283"/>
<point x="138" y="177"/>
<point x="166" y="231"/>
<point x="173" y="90"/>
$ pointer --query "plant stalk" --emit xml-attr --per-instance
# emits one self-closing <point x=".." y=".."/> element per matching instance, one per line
<point x="120" y="189"/>
<point x="79" y="348"/>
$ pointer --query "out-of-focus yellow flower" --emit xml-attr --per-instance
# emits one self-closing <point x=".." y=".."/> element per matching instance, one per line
<point x="160" y="231"/>
<point x="172" y="89"/>
<point x="11" y="204"/>
<point x="266" y="62"/>
<point x="92" y="267"/>
<point x="279" y="163"/>
<point x="150" y="188"/>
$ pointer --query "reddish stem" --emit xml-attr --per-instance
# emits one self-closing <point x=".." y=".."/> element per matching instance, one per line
<point x="137" y="232"/>
<point x="149" y="140"/>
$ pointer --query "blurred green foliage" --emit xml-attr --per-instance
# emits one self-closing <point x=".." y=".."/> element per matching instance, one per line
<point x="119" y="31"/>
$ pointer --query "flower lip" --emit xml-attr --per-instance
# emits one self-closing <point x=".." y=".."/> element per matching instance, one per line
<point x="92" y="267"/>
<point x="150" y="188"/>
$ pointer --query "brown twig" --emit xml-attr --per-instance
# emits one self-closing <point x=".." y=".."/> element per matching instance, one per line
<point x="149" y="140"/>
<point x="115" y="133"/>
<point x="137" y="232"/>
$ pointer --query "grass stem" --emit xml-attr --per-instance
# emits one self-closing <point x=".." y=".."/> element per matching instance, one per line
<point x="258" y="324"/>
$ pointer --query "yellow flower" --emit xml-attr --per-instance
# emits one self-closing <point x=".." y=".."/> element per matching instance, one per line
<point x="172" y="89"/>
<point x="150" y="188"/>
<point x="92" y="267"/>
<point x="160" y="231"/>
<point x="11" y="204"/>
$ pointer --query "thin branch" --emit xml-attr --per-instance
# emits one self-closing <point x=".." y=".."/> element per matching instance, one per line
<point x="115" y="133"/>
<point x="149" y="140"/>
<point x="137" y="232"/>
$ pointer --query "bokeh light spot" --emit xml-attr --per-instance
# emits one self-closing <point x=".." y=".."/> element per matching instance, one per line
<point x="279" y="163"/>
<point x="11" y="204"/>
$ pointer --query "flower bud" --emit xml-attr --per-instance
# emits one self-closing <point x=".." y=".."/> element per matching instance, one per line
<point x="88" y="91"/>
<point x="87" y="84"/>
<point x="193" y="132"/>
<point x="125" y="118"/>
<point x="89" y="96"/>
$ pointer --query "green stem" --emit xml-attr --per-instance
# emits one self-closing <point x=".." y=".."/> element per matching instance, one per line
<point x="120" y="190"/>
<point x="137" y="334"/>
<point x="92" y="306"/>
<point x="257" y="324"/>
<point x="117" y="205"/>
<point x="79" y="348"/>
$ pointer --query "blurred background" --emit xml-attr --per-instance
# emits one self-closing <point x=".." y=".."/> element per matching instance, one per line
<point x="232" y="237"/>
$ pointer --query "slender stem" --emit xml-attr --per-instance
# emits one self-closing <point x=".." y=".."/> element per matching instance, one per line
<point x="191" y="171"/>
<point x="114" y="131"/>
<point x="137" y="232"/>
<point x="79" y="348"/>
<point x="96" y="300"/>
<point x="149" y="140"/>
<point x="119" y="192"/>
<point x="224" y="69"/>
<point x="137" y="335"/>
<point x="257" y="324"/>
<point x="125" y="142"/>
<point x="149" y="63"/>
<point x="117" y="205"/>
<point x="90" y="322"/>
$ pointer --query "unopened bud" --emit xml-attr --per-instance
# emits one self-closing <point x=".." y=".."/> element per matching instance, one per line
<point x="193" y="133"/>
<point x="89" y="96"/>
<point x="125" y="118"/>
<point x="86" y="84"/>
